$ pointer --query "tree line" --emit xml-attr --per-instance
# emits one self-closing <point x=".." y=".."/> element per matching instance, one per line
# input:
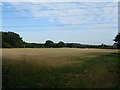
<point x="13" y="40"/>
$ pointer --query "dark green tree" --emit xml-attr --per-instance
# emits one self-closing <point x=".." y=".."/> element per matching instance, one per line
<point x="103" y="46"/>
<point x="61" y="44"/>
<point x="70" y="45"/>
<point x="6" y="45"/>
<point x="11" y="39"/>
<point x="117" y="38"/>
<point x="117" y="41"/>
<point x="49" y="44"/>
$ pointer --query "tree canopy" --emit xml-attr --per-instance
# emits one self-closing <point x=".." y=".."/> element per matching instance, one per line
<point x="61" y="44"/>
<point x="11" y="39"/>
<point x="117" y="41"/>
<point x="117" y="38"/>
<point x="49" y="44"/>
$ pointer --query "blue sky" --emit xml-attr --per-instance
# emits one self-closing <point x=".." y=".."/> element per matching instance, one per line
<point x="79" y="22"/>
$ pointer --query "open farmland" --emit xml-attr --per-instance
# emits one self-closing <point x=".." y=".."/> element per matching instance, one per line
<point x="51" y="56"/>
<point x="60" y="67"/>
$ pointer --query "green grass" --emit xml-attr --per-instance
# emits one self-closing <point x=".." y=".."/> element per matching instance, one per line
<point x="98" y="72"/>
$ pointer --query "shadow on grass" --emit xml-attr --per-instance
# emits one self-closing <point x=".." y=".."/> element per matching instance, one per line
<point x="98" y="72"/>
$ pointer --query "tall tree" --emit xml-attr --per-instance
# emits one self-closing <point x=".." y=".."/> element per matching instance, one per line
<point x="117" y="40"/>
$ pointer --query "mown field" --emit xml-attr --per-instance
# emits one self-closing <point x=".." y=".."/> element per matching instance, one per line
<point x="60" y="68"/>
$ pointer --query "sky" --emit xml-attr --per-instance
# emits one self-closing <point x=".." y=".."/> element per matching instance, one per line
<point x="73" y="22"/>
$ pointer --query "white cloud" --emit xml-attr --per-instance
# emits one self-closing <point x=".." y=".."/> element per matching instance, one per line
<point x="63" y="16"/>
<point x="85" y="17"/>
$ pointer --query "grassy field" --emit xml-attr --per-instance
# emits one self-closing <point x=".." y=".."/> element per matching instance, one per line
<point x="60" y="68"/>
